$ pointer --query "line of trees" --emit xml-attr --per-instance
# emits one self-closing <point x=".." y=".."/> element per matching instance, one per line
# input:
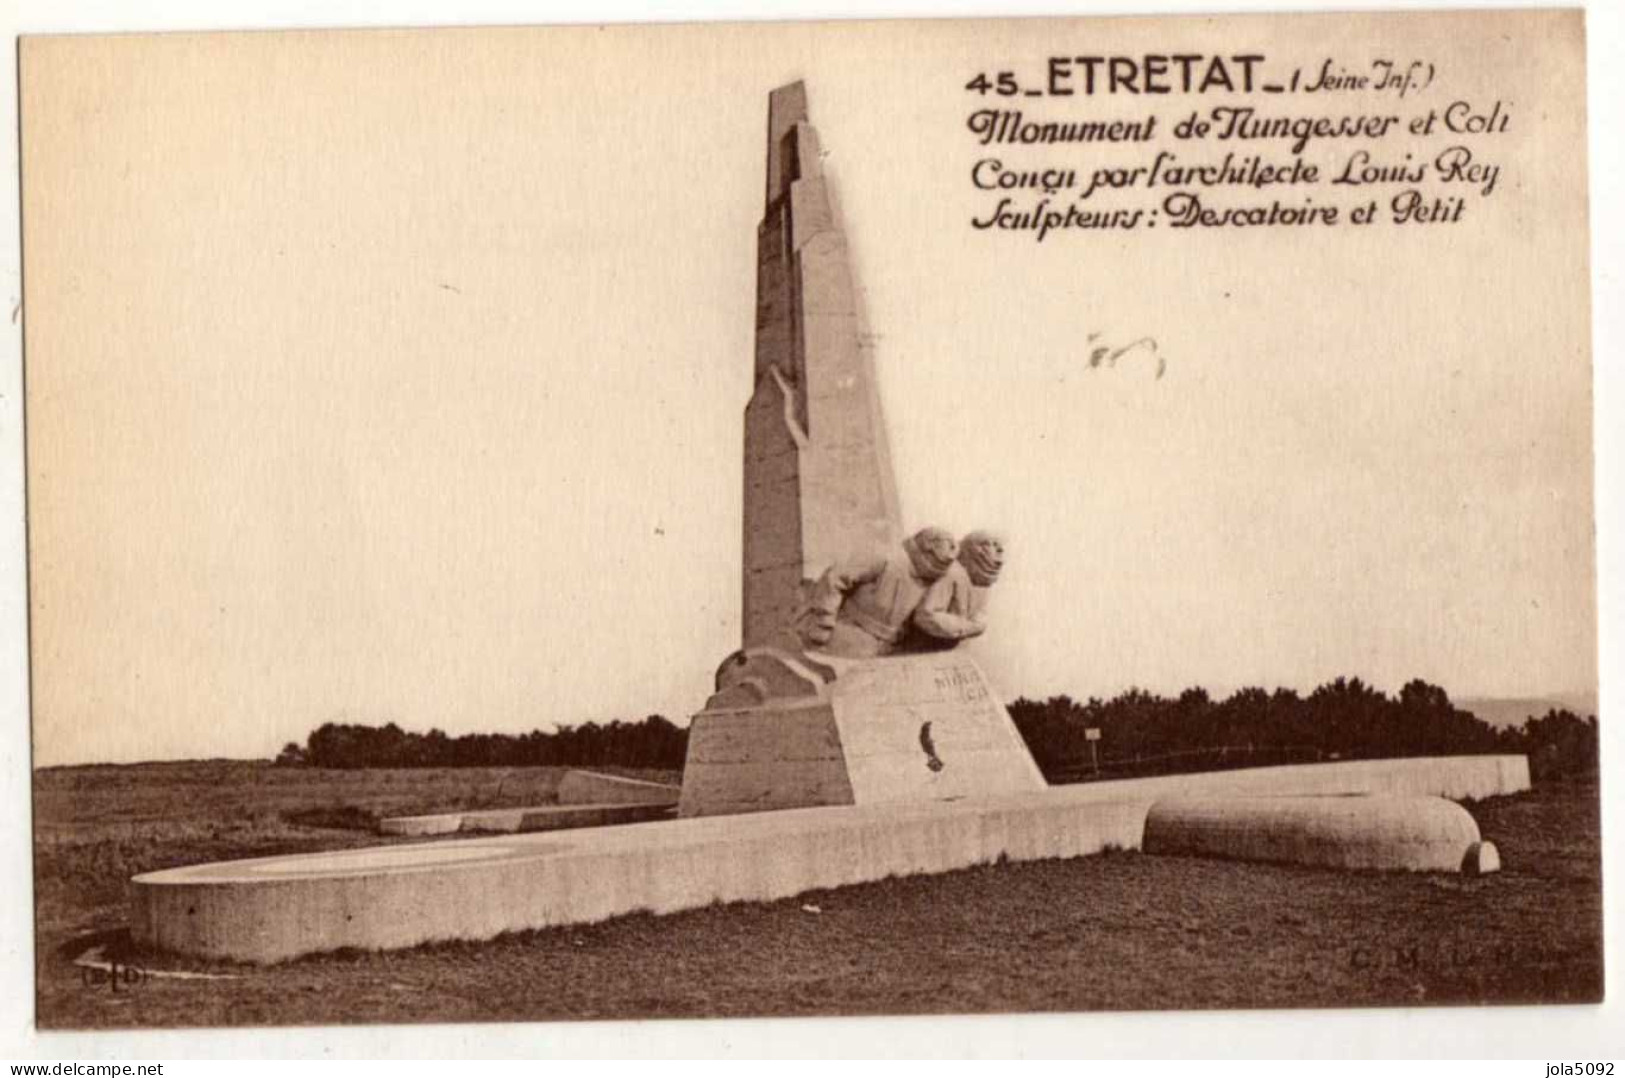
<point x="656" y="742"/>
<point x="1143" y="733"/>
<point x="1140" y="733"/>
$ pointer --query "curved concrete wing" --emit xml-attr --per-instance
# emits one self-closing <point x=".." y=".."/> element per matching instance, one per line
<point x="1419" y="834"/>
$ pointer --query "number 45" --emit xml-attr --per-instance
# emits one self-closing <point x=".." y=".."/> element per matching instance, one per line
<point x="1004" y="84"/>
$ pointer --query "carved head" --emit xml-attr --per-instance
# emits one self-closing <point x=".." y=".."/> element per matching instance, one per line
<point x="982" y="555"/>
<point x="932" y="551"/>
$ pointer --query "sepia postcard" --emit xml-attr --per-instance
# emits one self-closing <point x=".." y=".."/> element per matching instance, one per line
<point x="926" y="517"/>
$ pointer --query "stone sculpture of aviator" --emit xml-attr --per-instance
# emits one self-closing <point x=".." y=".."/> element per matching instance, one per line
<point x="866" y="607"/>
<point x="959" y="596"/>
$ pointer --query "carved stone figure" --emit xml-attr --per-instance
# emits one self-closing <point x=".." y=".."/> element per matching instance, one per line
<point x="981" y="554"/>
<point x="862" y="607"/>
<point x="955" y="606"/>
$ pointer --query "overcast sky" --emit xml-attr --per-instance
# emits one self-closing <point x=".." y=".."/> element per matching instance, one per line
<point x="399" y="376"/>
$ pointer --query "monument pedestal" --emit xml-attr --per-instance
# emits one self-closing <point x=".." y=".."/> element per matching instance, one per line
<point x="793" y="731"/>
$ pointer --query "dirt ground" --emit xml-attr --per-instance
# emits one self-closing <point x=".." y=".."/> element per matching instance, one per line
<point x="1117" y="931"/>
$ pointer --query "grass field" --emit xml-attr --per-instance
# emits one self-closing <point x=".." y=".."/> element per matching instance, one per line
<point x="1118" y="931"/>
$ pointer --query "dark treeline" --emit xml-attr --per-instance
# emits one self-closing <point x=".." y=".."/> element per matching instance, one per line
<point x="655" y="742"/>
<point x="1140" y="733"/>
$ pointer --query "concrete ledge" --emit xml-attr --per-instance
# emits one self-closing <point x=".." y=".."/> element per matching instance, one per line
<point x="276" y="908"/>
<point x="514" y="820"/>
<point x="562" y="817"/>
<point x="439" y="823"/>
<point x="1459" y="778"/>
<point x="592" y="788"/>
<point x="1370" y="831"/>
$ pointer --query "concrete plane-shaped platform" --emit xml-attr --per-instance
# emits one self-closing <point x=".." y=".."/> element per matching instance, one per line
<point x="271" y="909"/>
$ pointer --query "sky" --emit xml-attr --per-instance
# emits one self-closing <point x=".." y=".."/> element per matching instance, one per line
<point x="398" y="376"/>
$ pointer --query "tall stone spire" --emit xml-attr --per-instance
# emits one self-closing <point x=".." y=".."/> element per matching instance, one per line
<point x="818" y="473"/>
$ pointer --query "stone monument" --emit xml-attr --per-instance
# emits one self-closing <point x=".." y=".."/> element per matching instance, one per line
<point x="850" y="689"/>
<point x="818" y="474"/>
<point x="840" y="694"/>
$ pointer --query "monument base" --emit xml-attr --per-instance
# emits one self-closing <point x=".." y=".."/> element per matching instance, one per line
<point x="275" y="908"/>
<point x="794" y="731"/>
